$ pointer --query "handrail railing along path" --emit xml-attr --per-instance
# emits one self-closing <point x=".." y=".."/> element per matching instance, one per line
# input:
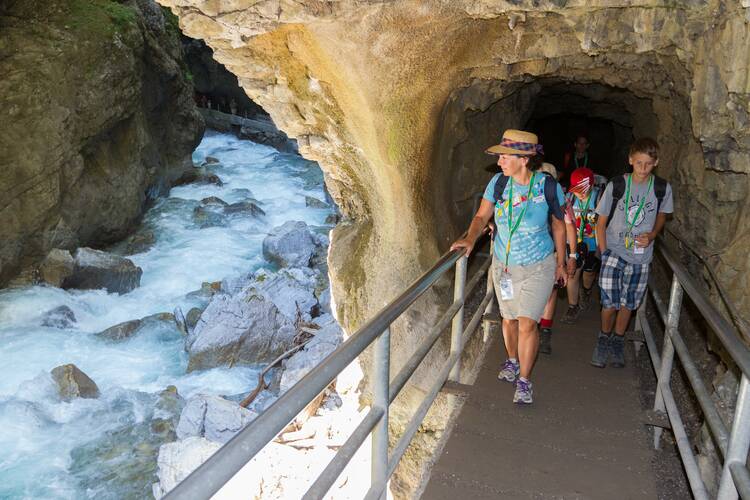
<point x="237" y="452"/>
<point x="733" y="445"/>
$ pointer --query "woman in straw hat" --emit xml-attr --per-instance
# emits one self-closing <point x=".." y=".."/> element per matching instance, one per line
<point x="526" y="204"/>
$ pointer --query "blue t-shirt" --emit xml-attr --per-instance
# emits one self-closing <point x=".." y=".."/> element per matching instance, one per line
<point x="532" y="241"/>
<point x="589" y="225"/>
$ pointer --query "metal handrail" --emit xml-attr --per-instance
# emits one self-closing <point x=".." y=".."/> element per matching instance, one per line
<point x="733" y="444"/>
<point x="210" y="476"/>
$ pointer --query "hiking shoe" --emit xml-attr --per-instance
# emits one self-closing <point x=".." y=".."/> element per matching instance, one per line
<point x="509" y="371"/>
<point x="617" y="351"/>
<point x="545" y="341"/>
<point x="524" y="392"/>
<point x="584" y="298"/>
<point x="601" y="351"/>
<point x="571" y="315"/>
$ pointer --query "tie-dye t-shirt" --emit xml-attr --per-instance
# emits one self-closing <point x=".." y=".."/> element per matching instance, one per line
<point x="532" y="241"/>
<point x="589" y="224"/>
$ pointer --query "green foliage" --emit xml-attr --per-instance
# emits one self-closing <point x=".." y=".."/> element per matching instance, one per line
<point x="100" y="17"/>
<point x="171" y="23"/>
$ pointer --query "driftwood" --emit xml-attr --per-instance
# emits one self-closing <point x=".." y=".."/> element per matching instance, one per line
<point x="261" y="377"/>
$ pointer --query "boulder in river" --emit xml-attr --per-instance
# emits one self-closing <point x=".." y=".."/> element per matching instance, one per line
<point x="95" y="269"/>
<point x="128" y="329"/>
<point x="289" y="245"/>
<point x="57" y="267"/>
<point x="244" y="207"/>
<point x="313" y="202"/>
<point x="198" y="175"/>
<point x="325" y="341"/>
<point x="177" y="460"/>
<point x="208" y="216"/>
<point x="73" y="383"/>
<point x="242" y="329"/>
<point x="291" y="290"/>
<point x="139" y="242"/>
<point x="59" y="317"/>
<point x="214" y="200"/>
<point x="213" y="417"/>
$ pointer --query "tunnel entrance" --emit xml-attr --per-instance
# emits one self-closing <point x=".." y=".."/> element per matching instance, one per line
<point x="557" y="110"/>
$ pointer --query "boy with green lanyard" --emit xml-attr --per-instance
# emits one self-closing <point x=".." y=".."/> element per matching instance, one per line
<point x="632" y="211"/>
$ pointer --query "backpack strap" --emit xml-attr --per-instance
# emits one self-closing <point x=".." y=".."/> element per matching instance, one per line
<point x="618" y="190"/>
<point x="502" y="181"/>
<point x="660" y="190"/>
<point x="550" y="194"/>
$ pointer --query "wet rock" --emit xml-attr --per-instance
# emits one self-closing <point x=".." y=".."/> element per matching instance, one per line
<point x="206" y="291"/>
<point x="57" y="267"/>
<point x="214" y="200"/>
<point x="192" y="317"/>
<point x="73" y="383"/>
<point x="121" y="331"/>
<point x="213" y="417"/>
<point x="139" y="242"/>
<point x="59" y="317"/>
<point x="208" y="216"/>
<point x="291" y="244"/>
<point x="314" y="202"/>
<point x="244" y="207"/>
<point x="177" y="460"/>
<point x="242" y="329"/>
<point x="122" y="463"/>
<point x="211" y="160"/>
<point x="198" y="176"/>
<point x="95" y="269"/>
<point x="332" y="219"/>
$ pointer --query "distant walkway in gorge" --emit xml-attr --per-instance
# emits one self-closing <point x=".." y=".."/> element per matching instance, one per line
<point x="582" y="438"/>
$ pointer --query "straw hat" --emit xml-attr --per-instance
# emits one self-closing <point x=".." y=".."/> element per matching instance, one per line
<point x="517" y="142"/>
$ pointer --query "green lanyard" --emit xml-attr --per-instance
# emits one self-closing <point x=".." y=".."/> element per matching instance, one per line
<point x="629" y="225"/>
<point x="583" y="217"/>
<point x="514" y="227"/>
<point x="585" y="159"/>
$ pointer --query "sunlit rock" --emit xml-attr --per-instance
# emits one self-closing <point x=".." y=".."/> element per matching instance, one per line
<point x="291" y="244"/>
<point x="178" y="459"/>
<point x="56" y="267"/>
<point x="212" y="417"/>
<point x="73" y="383"/>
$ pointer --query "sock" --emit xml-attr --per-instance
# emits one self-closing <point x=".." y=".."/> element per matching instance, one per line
<point x="524" y="379"/>
<point x="513" y="360"/>
<point x="545" y="323"/>
<point x="606" y="334"/>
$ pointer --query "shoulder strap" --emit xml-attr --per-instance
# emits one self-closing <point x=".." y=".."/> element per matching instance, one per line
<point x="550" y="194"/>
<point x="618" y="190"/>
<point x="660" y="190"/>
<point x="502" y="181"/>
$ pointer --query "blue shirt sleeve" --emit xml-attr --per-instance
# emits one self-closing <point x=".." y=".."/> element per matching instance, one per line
<point x="489" y="192"/>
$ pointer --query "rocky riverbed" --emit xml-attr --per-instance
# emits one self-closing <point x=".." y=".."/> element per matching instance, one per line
<point x="124" y="369"/>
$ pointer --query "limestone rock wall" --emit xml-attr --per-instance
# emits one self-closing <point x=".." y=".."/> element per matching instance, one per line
<point x="95" y="118"/>
<point x="397" y="100"/>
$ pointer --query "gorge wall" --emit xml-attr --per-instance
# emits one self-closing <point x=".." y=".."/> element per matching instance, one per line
<point x="97" y="118"/>
<point x="397" y="100"/>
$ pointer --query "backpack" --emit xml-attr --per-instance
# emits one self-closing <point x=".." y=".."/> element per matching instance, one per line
<point x="618" y="191"/>
<point x="550" y="193"/>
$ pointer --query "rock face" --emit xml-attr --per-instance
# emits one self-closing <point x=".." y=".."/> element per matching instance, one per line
<point x="398" y="114"/>
<point x="326" y="340"/>
<point x="212" y="417"/>
<point x="95" y="269"/>
<point x="73" y="383"/>
<point x="91" y="94"/>
<point x="57" y="267"/>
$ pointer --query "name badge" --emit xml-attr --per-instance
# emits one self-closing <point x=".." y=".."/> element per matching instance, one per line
<point x="538" y="198"/>
<point x="639" y="250"/>
<point x="506" y="286"/>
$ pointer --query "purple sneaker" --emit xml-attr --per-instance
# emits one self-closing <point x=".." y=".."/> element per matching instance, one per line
<point x="524" y="392"/>
<point x="509" y="371"/>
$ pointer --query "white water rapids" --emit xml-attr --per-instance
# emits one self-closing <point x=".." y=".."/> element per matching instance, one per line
<point x="37" y="430"/>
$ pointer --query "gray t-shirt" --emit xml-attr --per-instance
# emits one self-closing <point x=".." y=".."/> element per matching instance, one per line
<point x="643" y="224"/>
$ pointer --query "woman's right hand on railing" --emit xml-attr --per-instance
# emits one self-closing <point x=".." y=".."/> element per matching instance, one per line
<point x="463" y="244"/>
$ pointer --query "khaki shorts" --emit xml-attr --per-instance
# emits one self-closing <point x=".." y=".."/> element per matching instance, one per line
<point x="532" y="286"/>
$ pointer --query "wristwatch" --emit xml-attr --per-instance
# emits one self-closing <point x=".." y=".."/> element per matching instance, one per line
<point x="573" y="255"/>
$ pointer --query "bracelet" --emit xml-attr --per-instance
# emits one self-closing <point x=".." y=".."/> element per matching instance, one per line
<point x="573" y="255"/>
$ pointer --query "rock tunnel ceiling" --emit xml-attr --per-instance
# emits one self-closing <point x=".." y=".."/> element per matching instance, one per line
<point x="397" y="100"/>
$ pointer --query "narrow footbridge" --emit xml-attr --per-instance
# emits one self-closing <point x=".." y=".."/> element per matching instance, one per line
<point x="585" y="436"/>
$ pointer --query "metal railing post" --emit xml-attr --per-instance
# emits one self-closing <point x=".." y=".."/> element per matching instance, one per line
<point x="739" y="442"/>
<point x="491" y="306"/>
<point x="667" y="354"/>
<point x="380" y="382"/>
<point x="457" y="326"/>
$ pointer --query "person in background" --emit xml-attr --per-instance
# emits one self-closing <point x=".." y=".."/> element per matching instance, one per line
<point x="527" y="209"/>
<point x="582" y="197"/>
<point x="632" y="211"/>
<point x="579" y="157"/>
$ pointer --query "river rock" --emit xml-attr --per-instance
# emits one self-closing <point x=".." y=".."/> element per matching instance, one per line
<point x="121" y="331"/>
<point x="242" y="329"/>
<point x="213" y="417"/>
<point x="291" y="244"/>
<point x="73" y="383"/>
<point x="57" y="267"/>
<point x="139" y="242"/>
<point x="214" y="200"/>
<point x="199" y="175"/>
<point x="291" y="290"/>
<point x="325" y="341"/>
<point x="244" y="207"/>
<point x="59" y="317"/>
<point x="177" y="460"/>
<point x="208" y="216"/>
<point x="96" y="269"/>
<point x="332" y="219"/>
<point x="211" y="160"/>
<point x="192" y="317"/>
<point x="313" y="202"/>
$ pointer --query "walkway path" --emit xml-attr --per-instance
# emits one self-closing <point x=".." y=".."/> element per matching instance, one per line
<point x="582" y="438"/>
